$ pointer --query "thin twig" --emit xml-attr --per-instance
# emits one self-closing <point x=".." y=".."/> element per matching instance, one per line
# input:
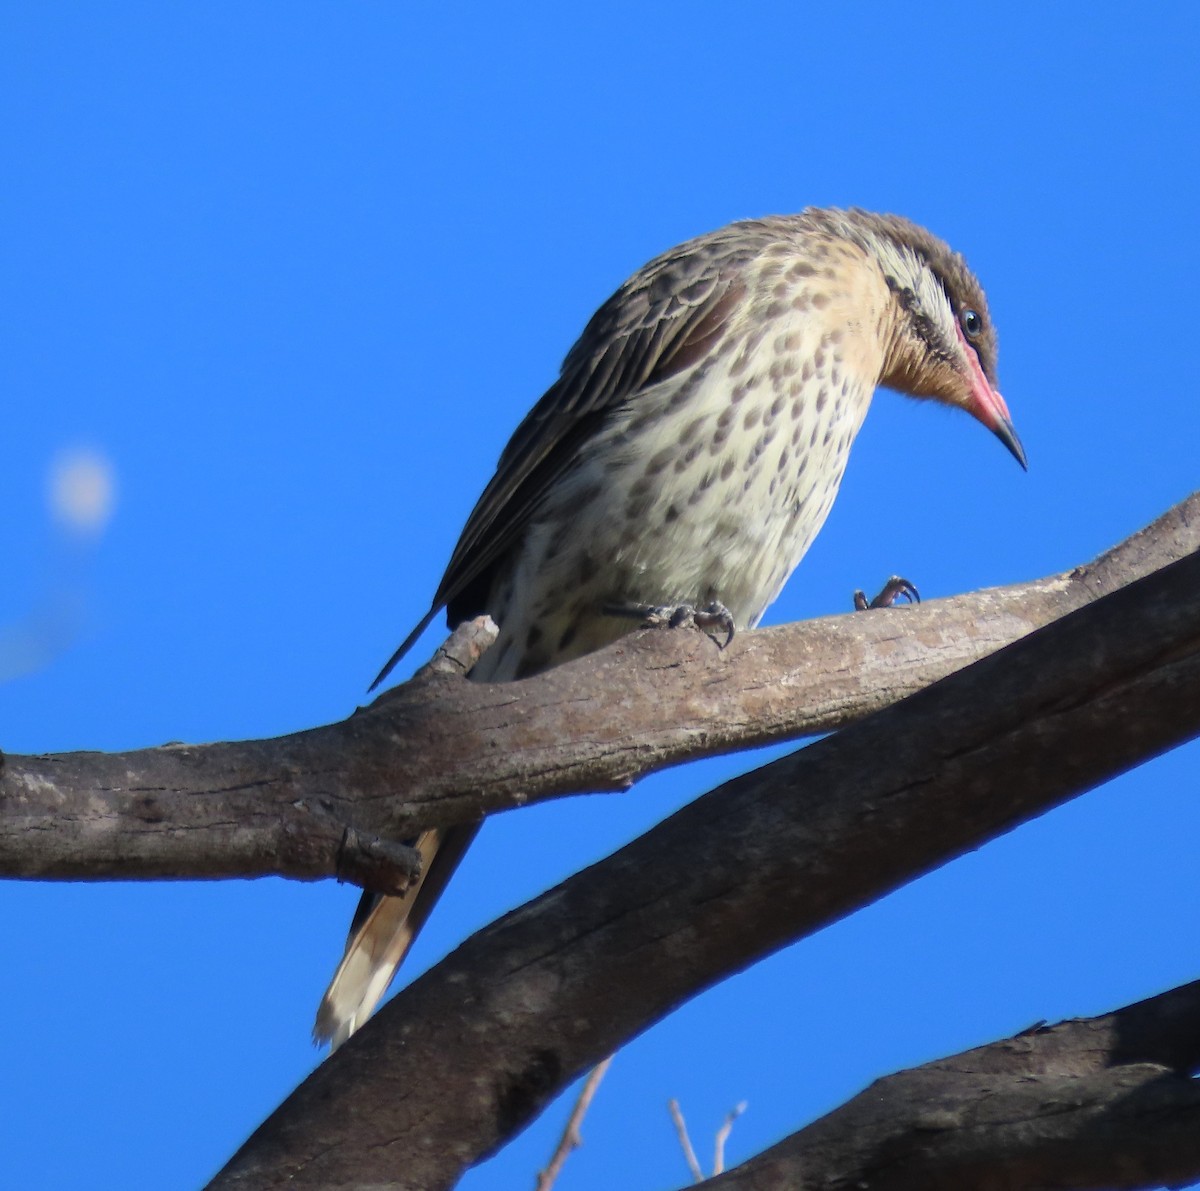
<point x="571" y="1139"/>
<point x="723" y="1137"/>
<point x="685" y="1141"/>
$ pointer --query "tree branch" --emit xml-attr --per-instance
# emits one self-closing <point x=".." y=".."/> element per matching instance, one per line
<point x="1095" y="1102"/>
<point x="572" y="1138"/>
<point x="284" y="805"/>
<point x="527" y="1004"/>
<point x="685" y="1142"/>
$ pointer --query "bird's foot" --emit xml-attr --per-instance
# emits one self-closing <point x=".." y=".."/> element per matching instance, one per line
<point x="678" y="616"/>
<point x="893" y="589"/>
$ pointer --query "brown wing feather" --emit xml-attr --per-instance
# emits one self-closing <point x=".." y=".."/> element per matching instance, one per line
<point x="665" y="319"/>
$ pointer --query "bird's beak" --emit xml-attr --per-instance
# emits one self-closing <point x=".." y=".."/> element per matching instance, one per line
<point x="1003" y="430"/>
<point x="988" y="406"/>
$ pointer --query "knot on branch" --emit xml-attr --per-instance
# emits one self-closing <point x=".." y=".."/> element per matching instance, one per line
<point x="377" y="865"/>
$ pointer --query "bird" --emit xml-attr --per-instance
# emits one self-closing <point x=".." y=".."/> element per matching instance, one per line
<point x="685" y="459"/>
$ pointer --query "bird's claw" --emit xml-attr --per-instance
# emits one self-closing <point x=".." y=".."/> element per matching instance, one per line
<point x="893" y="589"/>
<point x="678" y="616"/>
<point x="713" y="616"/>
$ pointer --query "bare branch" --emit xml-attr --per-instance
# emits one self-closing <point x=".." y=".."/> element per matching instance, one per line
<point x="718" y="1144"/>
<point x="524" y="1006"/>
<point x="723" y="1136"/>
<point x="1099" y="1102"/>
<point x="571" y="1138"/>
<point x="685" y="1142"/>
<point x="283" y="805"/>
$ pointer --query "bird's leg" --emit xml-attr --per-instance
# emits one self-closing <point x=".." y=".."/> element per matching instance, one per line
<point x="676" y="616"/>
<point x="893" y="589"/>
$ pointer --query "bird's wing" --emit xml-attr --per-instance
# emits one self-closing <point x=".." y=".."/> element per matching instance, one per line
<point x="665" y="319"/>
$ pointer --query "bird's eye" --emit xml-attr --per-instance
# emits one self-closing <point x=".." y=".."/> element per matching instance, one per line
<point x="972" y="323"/>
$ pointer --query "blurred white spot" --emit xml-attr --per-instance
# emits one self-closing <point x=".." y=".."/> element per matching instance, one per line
<point x="82" y="490"/>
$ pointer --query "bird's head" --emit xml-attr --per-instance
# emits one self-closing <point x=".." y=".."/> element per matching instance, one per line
<point x="938" y="335"/>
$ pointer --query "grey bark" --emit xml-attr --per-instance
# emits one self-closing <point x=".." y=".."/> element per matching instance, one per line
<point x="1103" y="1102"/>
<point x="530" y="1002"/>
<point x="330" y="801"/>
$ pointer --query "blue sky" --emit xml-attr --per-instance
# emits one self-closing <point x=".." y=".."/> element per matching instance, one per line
<point x="297" y="270"/>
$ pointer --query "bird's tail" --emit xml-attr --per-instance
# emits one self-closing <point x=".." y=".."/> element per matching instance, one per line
<point x="382" y="932"/>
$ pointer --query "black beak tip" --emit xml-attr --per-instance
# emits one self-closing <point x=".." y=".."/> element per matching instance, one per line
<point x="1008" y="436"/>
